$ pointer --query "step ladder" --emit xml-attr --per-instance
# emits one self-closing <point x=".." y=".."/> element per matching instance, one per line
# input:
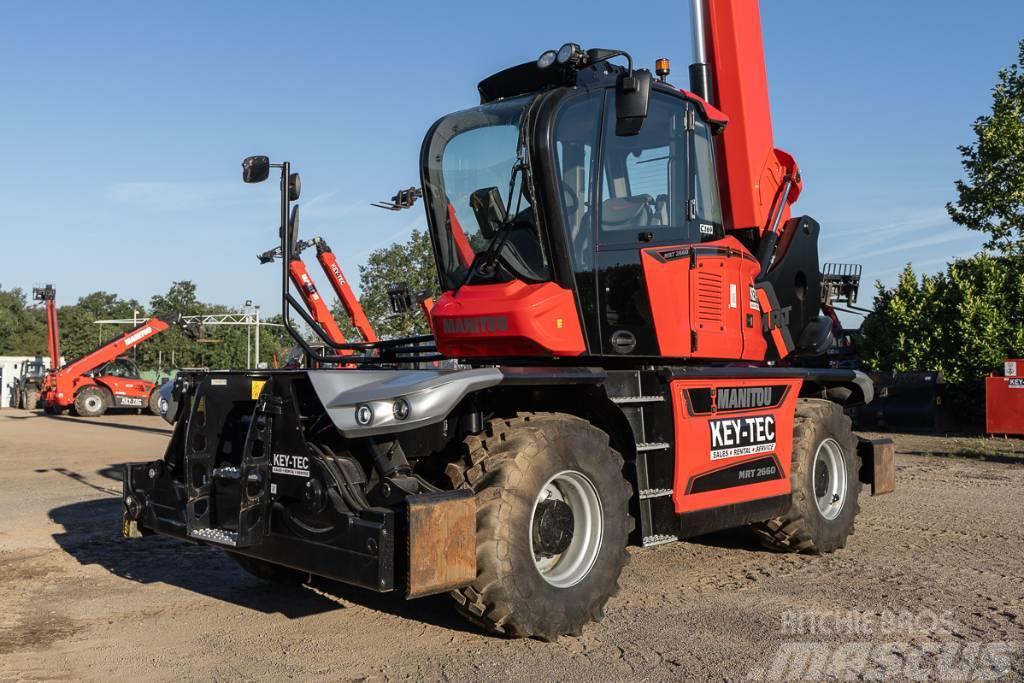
<point x="646" y="403"/>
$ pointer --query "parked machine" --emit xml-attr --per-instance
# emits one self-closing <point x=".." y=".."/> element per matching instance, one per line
<point x="101" y="379"/>
<point x="25" y="388"/>
<point x="634" y="315"/>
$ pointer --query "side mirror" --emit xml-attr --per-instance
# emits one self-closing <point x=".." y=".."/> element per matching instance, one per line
<point x="293" y="229"/>
<point x="294" y="187"/>
<point x="489" y="210"/>
<point x="255" y="169"/>
<point x="632" y="94"/>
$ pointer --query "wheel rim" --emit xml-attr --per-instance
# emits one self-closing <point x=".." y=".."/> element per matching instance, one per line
<point x="830" y="484"/>
<point x="92" y="403"/>
<point x="570" y="564"/>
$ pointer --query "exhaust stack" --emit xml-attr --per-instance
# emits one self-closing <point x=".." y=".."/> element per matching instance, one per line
<point x="700" y="71"/>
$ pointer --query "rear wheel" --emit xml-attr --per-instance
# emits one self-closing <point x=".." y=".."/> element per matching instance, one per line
<point x="825" y="483"/>
<point x="31" y="399"/>
<point x="91" y="402"/>
<point x="552" y="524"/>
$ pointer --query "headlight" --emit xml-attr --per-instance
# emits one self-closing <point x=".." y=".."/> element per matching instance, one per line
<point x="400" y="409"/>
<point x="364" y="415"/>
<point x="546" y="59"/>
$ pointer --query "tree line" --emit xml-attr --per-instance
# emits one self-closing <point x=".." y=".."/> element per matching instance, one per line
<point x="23" y="330"/>
<point x="23" y="323"/>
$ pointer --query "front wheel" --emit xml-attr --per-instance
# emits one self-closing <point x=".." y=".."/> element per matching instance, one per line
<point x="91" y="402"/>
<point x="825" y="483"/>
<point x="552" y="524"/>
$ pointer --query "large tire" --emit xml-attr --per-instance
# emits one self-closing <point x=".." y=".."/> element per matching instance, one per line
<point x="91" y="402"/>
<point x="825" y="483"/>
<point x="526" y="472"/>
<point x="270" y="572"/>
<point x="30" y="398"/>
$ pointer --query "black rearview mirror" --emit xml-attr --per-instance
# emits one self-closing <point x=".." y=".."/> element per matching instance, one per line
<point x="255" y="169"/>
<point x="489" y="210"/>
<point x="293" y="229"/>
<point x="632" y="94"/>
<point x="294" y="187"/>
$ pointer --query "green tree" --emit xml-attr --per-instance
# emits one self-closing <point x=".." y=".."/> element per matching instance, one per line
<point x="410" y="263"/>
<point x="78" y="332"/>
<point x="22" y="328"/>
<point x="962" y="322"/>
<point x="991" y="198"/>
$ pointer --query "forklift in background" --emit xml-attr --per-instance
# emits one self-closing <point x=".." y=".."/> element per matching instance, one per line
<point x="101" y="379"/>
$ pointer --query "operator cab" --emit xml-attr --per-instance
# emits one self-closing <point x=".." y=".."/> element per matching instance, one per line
<point x="120" y="367"/>
<point x="556" y="219"/>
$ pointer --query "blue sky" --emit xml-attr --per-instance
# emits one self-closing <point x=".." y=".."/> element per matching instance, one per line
<point x="122" y="124"/>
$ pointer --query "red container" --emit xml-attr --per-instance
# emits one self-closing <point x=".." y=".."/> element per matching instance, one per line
<point x="1004" y="399"/>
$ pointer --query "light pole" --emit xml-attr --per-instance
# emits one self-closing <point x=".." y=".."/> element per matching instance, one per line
<point x="257" y="335"/>
<point x="246" y="309"/>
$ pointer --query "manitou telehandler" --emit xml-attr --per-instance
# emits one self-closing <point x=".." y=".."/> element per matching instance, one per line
<point x="633" y="324"/>
<point x="101" y="379"/>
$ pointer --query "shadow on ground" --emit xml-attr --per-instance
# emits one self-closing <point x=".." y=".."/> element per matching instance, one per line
<point x="103" y="422"/>
<point x="92" y="535"/>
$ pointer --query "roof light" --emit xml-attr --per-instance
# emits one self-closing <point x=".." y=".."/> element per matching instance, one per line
<point x="570" y="54"/>
<point x="546" y="59"/>
<point x="662" y="68"/>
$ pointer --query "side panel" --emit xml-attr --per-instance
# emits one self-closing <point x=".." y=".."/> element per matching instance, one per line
<point x="734" y="440"/>
<point x="703" y="301"/>
<point x="508" y="319"/>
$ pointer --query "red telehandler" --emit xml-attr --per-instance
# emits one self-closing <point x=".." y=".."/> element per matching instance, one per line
<point x="101" y="379"/>
<point x="639" y="332"/>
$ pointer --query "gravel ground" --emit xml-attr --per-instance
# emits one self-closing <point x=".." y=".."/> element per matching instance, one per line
<point x="930" y="586"/>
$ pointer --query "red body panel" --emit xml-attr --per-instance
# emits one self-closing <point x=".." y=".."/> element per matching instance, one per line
<point x="1004" y="400"/>
<point x="314" y="302"/>
<point x="751" y="170"/>
<point x="717" y="433"/>
<point x="348" y="299"/>
<point x="508" y="319"/>
<point x="702" y="293"/>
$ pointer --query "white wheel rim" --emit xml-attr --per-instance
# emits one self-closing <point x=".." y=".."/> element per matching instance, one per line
<point x="92" y="403"/>
<point x="828" y="479"/>
<point x="574" y="564"/>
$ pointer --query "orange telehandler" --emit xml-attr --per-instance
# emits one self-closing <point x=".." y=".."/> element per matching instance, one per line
<point x="101" y="379"/>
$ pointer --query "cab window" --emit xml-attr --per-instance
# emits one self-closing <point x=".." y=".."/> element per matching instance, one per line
<point x="121" y="368"/>
<point x="644" y="188"/>
<point x="707" y="205"/>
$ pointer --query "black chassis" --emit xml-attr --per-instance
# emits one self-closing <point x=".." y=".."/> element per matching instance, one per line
<point x="275" y="465"/>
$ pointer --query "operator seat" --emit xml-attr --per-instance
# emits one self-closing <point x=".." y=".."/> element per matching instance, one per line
<point x="627" y="213"/>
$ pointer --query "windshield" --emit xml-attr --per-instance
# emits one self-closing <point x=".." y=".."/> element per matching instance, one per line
<point x="476" y="198"/>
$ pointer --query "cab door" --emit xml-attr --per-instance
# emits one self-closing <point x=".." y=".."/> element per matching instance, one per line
<point x="642" y="206"/>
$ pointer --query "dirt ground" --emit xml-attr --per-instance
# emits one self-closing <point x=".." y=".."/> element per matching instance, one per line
<point x="937" y="567"/>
